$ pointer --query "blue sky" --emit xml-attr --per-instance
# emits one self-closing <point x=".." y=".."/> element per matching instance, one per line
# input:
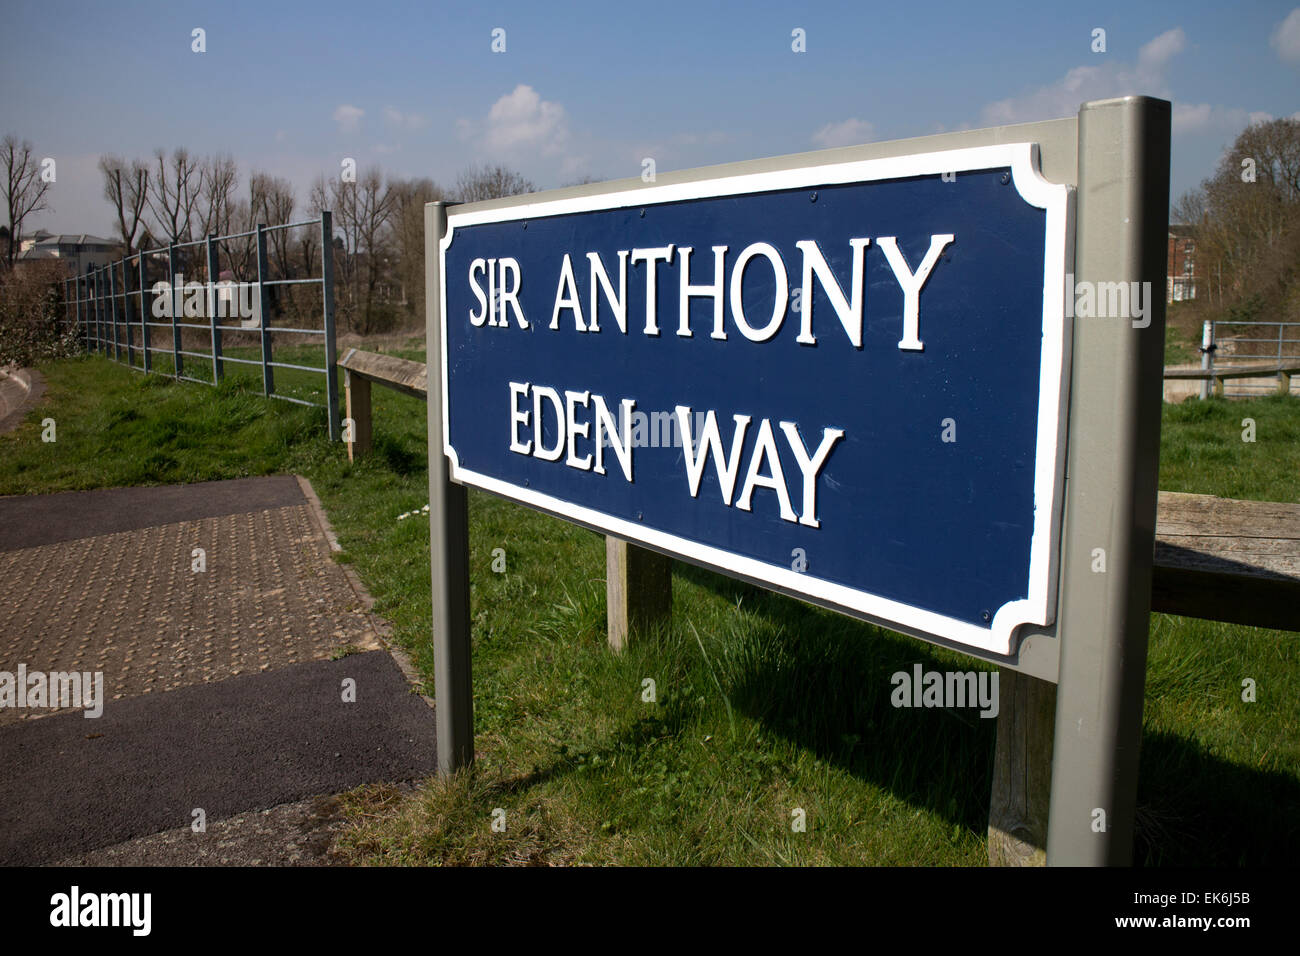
<point x="593" y="88"/>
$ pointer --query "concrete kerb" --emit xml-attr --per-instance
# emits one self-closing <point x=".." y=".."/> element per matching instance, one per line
<point x="378" y="625"/>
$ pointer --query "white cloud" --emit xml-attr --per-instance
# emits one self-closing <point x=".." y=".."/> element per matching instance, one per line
<point x="349" y="118"/>
<point x="1154" y="55"/>
<point x="1204" y="118"/>
<point x="399" y="120"/>
<point x="521" y="120"/>
<point x="1286" y="38"/>
<point x="1189" y="118"/>
<point x="1083" y="83"/>
<point x="848" y="133"/>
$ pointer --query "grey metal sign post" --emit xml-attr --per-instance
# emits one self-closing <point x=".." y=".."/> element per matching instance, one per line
<point x="1113" y="464"/>
<point x="449" y="542"/>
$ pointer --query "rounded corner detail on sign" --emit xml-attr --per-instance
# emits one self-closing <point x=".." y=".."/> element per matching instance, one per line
<point x="445" y="242"/>
<point x="1013" y="616"/>
<point x="1029" y="181"/>
<point x="453" y="460"/>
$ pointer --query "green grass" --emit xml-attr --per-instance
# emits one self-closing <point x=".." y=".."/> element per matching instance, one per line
<point x="763" y="705"/>
<point x="1202" y="448"/>
<point x="1182" y="334"/>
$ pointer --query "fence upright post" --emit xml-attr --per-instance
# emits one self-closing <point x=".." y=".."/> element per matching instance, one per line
<point x="358" y="399"/>
<point x="1281" y="327"/>
<point x="112" y="311"/>
<point x="145" y="342"/>
<point x="217" y="364"/>
<point x="76" y="308"/>
<point x="110" y="319"/>
<point x="638" y="591"/>
<point x="1207" y="355"/>
<point x="173" y="299"/>
<point x="92" y="311"/>
<point x="263" y="316"/>
<point x="327" y="307"/>
<point x="101" y="325"/>
<point x="126" y="314"/>
<point x="102" y="304"/>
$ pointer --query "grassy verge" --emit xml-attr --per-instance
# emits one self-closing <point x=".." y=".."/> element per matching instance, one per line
<point x="1182" y="334"/>
<point x="762" y="705"/>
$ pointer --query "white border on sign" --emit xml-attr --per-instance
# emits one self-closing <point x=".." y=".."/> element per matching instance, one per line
<point x="1039" y="608"/>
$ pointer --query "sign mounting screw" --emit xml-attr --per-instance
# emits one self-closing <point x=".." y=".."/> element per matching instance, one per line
<point x="1006" y="178"/>
<point x="813" y="197"/>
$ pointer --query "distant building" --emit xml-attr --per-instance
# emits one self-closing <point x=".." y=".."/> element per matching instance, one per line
<point x="79" y="251"/>
<point x="1182" y="264"/>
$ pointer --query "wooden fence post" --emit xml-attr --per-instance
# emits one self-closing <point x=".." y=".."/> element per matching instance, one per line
<point x="1022" y="770"/>
<point x="638" y="589"/>
<point x="357" y="390"/>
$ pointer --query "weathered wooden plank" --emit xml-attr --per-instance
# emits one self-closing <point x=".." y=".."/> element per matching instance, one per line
<point x="1232" y="371"/>
<point x="638" y="590"/>
<point x="397" y="373"/>
<point x="1227" y="560"/>
<point x="1181" y="514"/>
<point x="357" y="391"/>
<point x="1022" y="770"/>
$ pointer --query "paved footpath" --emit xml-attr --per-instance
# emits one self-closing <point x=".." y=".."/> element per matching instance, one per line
<point x="223" y="688"/>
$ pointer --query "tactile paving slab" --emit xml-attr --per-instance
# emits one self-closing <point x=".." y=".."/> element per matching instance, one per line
<point x="131" y="605"/>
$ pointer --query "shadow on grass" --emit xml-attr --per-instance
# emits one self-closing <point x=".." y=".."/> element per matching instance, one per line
<point x="400" y="456"/>
<point x="822" y="681"/>
<point x="1196" y="809"/>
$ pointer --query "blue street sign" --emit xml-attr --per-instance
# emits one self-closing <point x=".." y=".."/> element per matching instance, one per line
<point x="844" y="381"/>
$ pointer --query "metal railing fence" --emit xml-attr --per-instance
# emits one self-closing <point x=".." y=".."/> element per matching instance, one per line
<point x="113" y="304"/>
<point x="1234" y="344"/>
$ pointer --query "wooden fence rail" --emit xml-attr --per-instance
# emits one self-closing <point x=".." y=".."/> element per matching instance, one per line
<point x="1219" y="375"/>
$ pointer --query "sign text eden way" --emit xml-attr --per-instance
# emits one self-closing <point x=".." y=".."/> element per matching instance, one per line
<point x="865" y="362"/>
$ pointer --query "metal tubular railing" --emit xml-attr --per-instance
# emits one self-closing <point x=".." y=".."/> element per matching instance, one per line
<point x="1229" y="351"/>
<point x="108" y="303"/>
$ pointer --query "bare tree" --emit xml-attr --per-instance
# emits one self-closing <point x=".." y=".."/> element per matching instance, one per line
<point x="361" y="213"/>
<point x="217" y="197"/>
<point x="1190" y="209"/>
<point x="1248" y="221"/>
<point x="407" y="231"/>
<point x="241" y="250"/>
<point x="174" y="191"/>
<point x="306" y="248"/>
<point x="24" y="187"/>
<point x="273" y="202"/>
<point x="126" y="187"/>
<point x="490" y="182"/>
